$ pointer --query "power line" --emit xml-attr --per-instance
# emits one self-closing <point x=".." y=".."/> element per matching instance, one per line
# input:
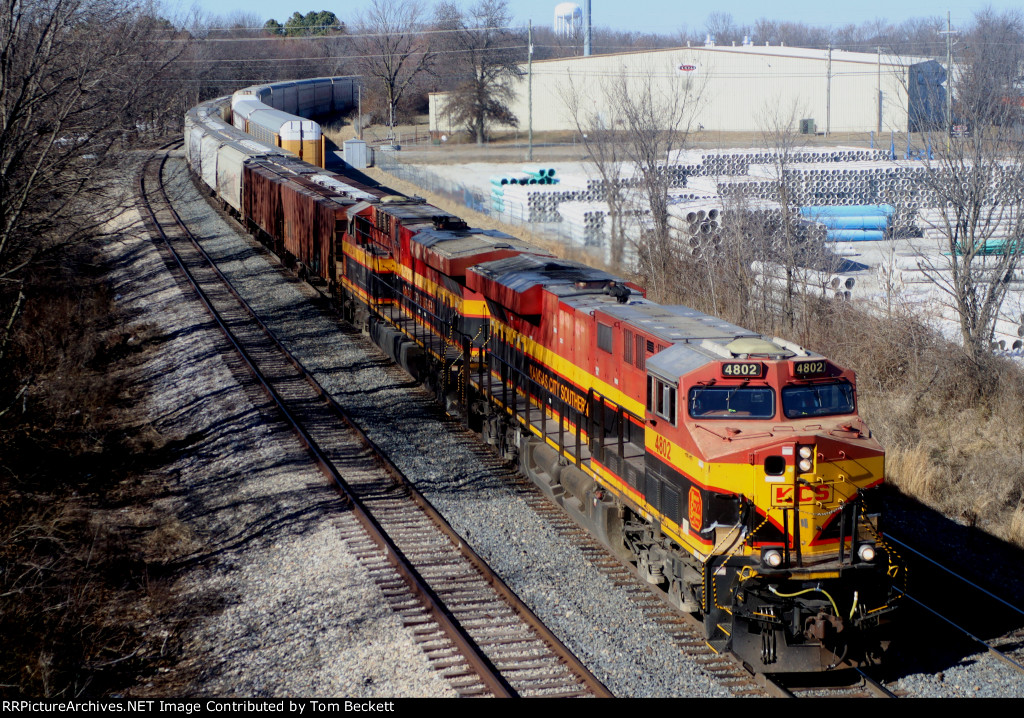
<point x="340" y="35"/>
<point x="308" y="58"/>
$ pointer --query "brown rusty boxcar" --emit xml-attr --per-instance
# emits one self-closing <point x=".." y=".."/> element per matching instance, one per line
<point x="261" y="192"/>
<point x="305" y="210"/>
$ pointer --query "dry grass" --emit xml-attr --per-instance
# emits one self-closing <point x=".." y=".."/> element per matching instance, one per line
<point x="911" y="469"/>
<point x="1014" y="532"/>
<point x="82" y="550"/>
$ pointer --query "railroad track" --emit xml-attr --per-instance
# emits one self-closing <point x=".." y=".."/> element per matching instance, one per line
<point x="685" y="630"/>
<point x="472" y="628"/>
<point x="991" y="624"/>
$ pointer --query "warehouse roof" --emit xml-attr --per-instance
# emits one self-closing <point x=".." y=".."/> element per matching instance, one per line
<point x="804" y="53"/>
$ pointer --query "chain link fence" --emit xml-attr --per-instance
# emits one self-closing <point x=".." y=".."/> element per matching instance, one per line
<point x="466" y="195"/>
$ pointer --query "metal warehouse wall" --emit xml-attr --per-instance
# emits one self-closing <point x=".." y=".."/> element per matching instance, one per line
<point x="727" y="88"/>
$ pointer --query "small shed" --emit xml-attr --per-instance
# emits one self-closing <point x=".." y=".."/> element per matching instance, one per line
<point x="357" y="155"/>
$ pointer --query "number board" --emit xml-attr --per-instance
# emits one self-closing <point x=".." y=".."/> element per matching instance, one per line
<point x="810" y="368"/>
<point x="743" y="370"/>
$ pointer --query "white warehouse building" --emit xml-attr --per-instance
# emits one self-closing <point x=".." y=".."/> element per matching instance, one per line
<point x="746" y="88"/>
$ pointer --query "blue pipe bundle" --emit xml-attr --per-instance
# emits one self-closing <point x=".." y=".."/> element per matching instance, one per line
<point x="539" y="172"/>
<point x="843" y="222"/>
<point x="852" y="222"/>
<point x="522" y="179"/>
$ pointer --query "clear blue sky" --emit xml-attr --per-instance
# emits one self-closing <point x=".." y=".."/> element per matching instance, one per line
<point x="647" y="15"/>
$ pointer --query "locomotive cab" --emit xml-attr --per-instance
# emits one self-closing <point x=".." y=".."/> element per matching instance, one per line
<point x="779" y="472"/>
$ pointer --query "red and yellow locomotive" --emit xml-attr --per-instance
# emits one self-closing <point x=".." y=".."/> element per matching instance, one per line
<point x="731" y="468"/>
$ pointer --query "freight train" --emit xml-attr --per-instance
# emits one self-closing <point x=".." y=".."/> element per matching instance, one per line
<point x="732" y="469"/>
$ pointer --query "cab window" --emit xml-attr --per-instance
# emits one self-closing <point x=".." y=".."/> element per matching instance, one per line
<point x="661" y="399"/>
<point x="731" y="402"/>
<point x="818" y="400"/>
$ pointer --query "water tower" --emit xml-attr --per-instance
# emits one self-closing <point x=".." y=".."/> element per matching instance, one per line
<point x="568" y="19"/>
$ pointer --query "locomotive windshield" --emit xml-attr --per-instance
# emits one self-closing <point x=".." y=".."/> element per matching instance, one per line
<point x="818" y="400"/>
<point x="731" y="402"/>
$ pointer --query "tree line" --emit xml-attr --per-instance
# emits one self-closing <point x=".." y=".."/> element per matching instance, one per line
<point x="405" y="49"/>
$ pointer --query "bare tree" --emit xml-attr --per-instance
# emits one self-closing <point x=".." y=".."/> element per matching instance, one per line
<point x="483" y="55"/>
<point x="73" y="75"/>
<point x="655" y="115"/>
<point x="392" y="50"/>
<point x="631" y="125"/>
<point x="723" y="29"/>
<point x="606" y="154"/>
<point x="975" y="181"/>
<point x="789" y="247"/>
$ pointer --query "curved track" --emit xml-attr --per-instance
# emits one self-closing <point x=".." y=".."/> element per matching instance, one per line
<point x="469" y="624"/>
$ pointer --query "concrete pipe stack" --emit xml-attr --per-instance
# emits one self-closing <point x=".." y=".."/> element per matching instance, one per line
<point x="852" y="184"/>
<point x="997" y="222"/>
<point x="695" y="219"/>
<point x="748" y="188"/>
<point x="737" y="162"/>
<point x="911" y="270"/>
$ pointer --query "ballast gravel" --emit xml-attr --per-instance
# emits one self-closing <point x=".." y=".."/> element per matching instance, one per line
<point x="627" y="651"/>
<point x="276" y="603"/>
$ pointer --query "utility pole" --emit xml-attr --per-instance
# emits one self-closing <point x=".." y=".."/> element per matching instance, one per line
<point x="586" y="29"/>
<point x="828" y="91"/>
<point x="879" y="49"/>
<point x="529" y="89"/>
<point x="948" y="32"/>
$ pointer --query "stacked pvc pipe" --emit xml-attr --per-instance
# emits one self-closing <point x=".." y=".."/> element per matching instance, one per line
<point x="584" y="222"/>
<point x="522" y="179"/>
<point x="539" y="172"/>
<point x="852" y="223"/>
<point x="693" y="220"/>
<point x="932" y="300"/>
<point x="824" y="284"/>
<point x="997" y="222"/>
<point x="737" y="161"/>
<point x="824" y="177"/>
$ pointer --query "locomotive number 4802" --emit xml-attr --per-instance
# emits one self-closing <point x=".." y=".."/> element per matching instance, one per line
<point x="743" y="369"/>
<point x="663" y="446"/>
<point x="809" y="368"/>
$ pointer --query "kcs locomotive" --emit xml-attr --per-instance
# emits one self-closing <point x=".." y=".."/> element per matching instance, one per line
<point x="731" y="468"/>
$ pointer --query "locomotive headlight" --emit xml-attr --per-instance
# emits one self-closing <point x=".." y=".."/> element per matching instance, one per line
<point x="866" y="552"/>
<point x="805" y="460"/>
<point x="772" y="558"/>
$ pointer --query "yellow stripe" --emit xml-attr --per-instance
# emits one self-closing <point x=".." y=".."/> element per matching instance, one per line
<point x="566" y="369"/>
<point x="472" y="308"/>
<point x="369" y="260"/>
